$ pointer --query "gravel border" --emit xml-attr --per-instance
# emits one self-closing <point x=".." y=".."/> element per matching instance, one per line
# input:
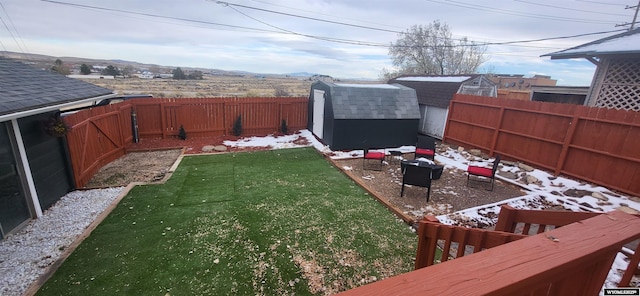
<point x="28" y="254"/>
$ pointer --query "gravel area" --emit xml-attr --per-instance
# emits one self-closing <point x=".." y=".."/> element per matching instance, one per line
<point x="448" y="194"/>
<point x="27" y="254"/>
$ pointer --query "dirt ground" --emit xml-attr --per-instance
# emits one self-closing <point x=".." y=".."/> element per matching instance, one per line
<point x="448" y="194"/>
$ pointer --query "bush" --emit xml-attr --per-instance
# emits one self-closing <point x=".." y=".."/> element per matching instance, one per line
<point x="237" y="126"/>
<point x="182" y="134"/>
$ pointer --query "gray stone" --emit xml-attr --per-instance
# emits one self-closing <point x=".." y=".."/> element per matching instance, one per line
<point x="475" y="152"/>
<point x="460" y="149"/>
<point x="220" y="148"/>
<point x="628" y="210"/>
<point x="508" y="162"/>
<point x="208" y="148"/>
<point x="526" y="168"/>
<point x="508" y="175"/>
<point x="577" y="193"/>
<point x="600" y="196"/>
<point x="531" y="180"/>
<point x="634" y="198"/>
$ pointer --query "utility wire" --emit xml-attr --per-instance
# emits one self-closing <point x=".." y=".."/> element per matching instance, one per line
<point x="517" y="13"/>
<point x="325" y="14"/>
<point x="305" y="17"/>
<point x="280" y="30"/>
<point x="158" y="16"/>
<point x="14" y="27"/>
<point x="599" y="2"/>
<point x="568" y="8"/>
<point x="309" y="36"/>
<point x="12" y="36"/>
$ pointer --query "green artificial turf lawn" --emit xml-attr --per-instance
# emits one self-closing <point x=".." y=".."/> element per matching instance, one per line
<point x="261" y="223"/>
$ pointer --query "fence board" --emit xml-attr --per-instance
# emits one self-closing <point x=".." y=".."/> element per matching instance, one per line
<point x="593" y="144"/>
<point x="99" y="135"/>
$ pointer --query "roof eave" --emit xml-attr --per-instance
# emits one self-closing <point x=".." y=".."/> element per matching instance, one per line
<point x="44" y="109"/>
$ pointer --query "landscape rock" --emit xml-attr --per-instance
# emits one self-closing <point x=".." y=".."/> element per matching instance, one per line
<point x="475" y="152"/>
<point x="208" y="148"/>
<point x="634" y="198"/>
<point x="526" y="168"/>
<point x="460" y="149"/>
<point x="220" y="148"/>
<point x="508" y="175"/>
<point x="628" y="210"/>
<point x="577" y="193"/>
<point x="532" y="180"/>
<point x="508" y="162"/>
<point x="599" y="196"/>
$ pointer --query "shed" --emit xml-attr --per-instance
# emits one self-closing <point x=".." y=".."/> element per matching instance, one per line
<point x="435" y="92"/>
<point x="34" y="168"/>
<point x="358" y="116"/>
<point x="616" y="82"/>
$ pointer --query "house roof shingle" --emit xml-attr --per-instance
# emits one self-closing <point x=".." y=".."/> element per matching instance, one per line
<point x="24" y="88"/>
<point x="436" y="91"/>
<point x="373" y="101"/>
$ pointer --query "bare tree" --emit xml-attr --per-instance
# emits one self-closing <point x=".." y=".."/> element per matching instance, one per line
<point x="432" y="50"/>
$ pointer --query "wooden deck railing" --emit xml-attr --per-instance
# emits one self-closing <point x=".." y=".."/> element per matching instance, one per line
<point x="454" y="242"/>
<point x="534" y="222"/>
<point x="570" y="260"/>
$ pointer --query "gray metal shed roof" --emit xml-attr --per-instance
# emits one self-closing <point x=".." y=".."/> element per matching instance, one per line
<point x="373" y="101"/>
<point x="434" y="90"/>
<point x="24" y="88"/>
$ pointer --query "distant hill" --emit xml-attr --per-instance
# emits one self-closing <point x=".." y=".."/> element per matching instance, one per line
<point x="46" y="62"/>
<point x="301" y="74"/>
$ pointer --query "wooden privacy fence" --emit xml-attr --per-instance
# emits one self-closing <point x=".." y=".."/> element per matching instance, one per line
<point x="598" y="145"/>
<point x="100" y="135"/>
<point x="162" y="118"/>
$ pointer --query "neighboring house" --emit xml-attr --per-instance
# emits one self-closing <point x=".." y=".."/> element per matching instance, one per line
<point x="519" y="82"/>
<point x="34" y="167"/>
<point x="435" y="93"/>
<point x="616" y="83"/>
<point x="560" y="94"/>
<point x="358" y="116"/>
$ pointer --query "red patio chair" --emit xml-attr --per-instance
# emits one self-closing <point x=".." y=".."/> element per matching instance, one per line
<point x="485" y="173"/>
<point x="425" y="147"/>
<point x="376" y="156"/>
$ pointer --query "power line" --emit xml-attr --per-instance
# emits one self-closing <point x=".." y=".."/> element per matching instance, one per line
<point x="330" y="39"/>
<point x="517" y="13"/>
<point x="325" y="14"/>
<point x="305" y="17"/>
<point x="599" y="2"/>
<point x="13" y="26"/>
<point x="12" y="36"/>
<point x="158" y="16"/>
<point x="347" y="41"/>
<point x="570" y="9"/>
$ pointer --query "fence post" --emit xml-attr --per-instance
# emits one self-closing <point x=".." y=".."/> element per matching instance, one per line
<point x="567" y="141"/>
<point x="496" y="131"/>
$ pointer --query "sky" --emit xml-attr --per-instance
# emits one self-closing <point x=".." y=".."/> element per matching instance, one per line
<point x="289" y="36"/>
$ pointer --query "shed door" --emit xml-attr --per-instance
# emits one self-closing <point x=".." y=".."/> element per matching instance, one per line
<point x="13" y="203"/>
<point x="318" y="113"/>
